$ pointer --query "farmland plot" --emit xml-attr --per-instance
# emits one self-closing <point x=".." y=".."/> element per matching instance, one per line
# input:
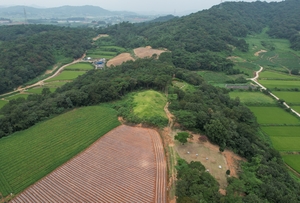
<point x="273" y="115"/>
<point x="252" y="97"/>
<point x="288" y="97"/>
<point x="126" y="165"/>
<point x="293" y="161"/>
<point x="29" y="155"/>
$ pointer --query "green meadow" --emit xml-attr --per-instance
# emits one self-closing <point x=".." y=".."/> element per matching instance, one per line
<point x="149" y="104"/>
<point x="39" y="90"/>
<point x="276" y="75"/>
<point x="289" y="97"/>
<point x="29" y="155"/>
<point x="16" y="96"/>
<point x="2" y="103"/>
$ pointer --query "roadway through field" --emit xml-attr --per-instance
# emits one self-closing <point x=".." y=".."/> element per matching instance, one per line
<point x="264" y="88"/>
<point x="125" y="165"/>
<point x="41" y="82"/>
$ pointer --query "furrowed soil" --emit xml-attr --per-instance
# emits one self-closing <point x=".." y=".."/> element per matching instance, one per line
<point x="125" y="165"/>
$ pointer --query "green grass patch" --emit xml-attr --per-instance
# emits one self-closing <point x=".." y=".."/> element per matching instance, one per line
<point x="16" y="96"/>
<point x="252" y="97"/>
<point x="39" y="90"/>
<point x="2" y="103"/>
<point x="80" y="66"/>
<point x="282" y="131"/>
<point x="273" y="115"/>
<point x="67" y="75"/>
<point x="281" y="84"/>
<point x="215" y="77"/>
<point x="293" y="161"/>
<point x="149" y="104"/>
<point x="184" y="85"/>
<point x="98" y="56"/>
<point x="29" y="155"/>
<point x="276" y="75"/>
<point x="55" y="84"/>
<point x="289" y="97"/>
<point x="286" y="143"/>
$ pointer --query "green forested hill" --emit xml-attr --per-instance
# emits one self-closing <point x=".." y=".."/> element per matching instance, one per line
<point x="195" y="39"/>
<point x="27" y="51"/>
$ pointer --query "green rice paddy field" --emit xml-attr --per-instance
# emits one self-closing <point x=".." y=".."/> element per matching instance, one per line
<point x="282" y="131"/>
<point x="273" y="115"/>
<point x="67" y="75"/>
<point x="284" y="84"/>
<point x="29" y="155"/>
<point x="276" y="75"/>
<point x="289" y="97"/>
<point x="293" y="161"/>
<point x="252" y="97"/>
<point x="296" y="108"/>
<point x="80" y="66"/>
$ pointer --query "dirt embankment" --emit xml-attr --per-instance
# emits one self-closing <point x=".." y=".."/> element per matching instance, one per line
<point x="260" y="52"/>
<point x="99" y="36"/>
<point x="144" y="52"/>
<point x="118" y="60"/>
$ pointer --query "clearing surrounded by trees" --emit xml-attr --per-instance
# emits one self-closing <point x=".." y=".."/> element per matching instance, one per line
<point x="125" y="165"/>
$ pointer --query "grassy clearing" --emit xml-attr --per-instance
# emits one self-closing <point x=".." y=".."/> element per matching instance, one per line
<point x="252" y="97"/>
<point x="16" y="96"/>
<point x="273" y="115"/>
<point x="293" y="161"/>
<point x="29" y="155"/>
<point x="215" y="77"/>
<point x="276" y="75"/>
<point x="248" y="68"/>
<point x="2" y="103"/>
<point x="39" y="90"/>
<point x="149" y="104"/>
<point x="183" y="85"/>
<point x="286" y="143"/>
<point x="80" y="66"/>
<point x="272" y="84"/>
<point x="67" y="75"/>
<point x="282" y="131"/>
<point x="289" y="97"/>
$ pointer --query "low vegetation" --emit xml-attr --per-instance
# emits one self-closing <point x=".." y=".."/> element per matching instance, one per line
<point x="252" y="98"/>
<point x="67" y="75"/>
<point x="274" y="116"/>
<point x="29" y="155"/>
<point x="80" y="66"/>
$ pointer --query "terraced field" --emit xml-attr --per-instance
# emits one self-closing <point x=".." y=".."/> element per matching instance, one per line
<point x="80" y="66"/>
<point x="126" y="165"/>
<point x="67" y="75"/>
<point x="29" y="155"/>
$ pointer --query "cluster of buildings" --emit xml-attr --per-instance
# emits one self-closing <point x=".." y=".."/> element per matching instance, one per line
<point x="98" y="63"/>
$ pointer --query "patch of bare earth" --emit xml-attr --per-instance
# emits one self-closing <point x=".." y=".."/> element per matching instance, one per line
<point x="215" y="162"/>
<point x="51" y="71"/>
<point x="118" y="60"/>
<point x="144" y="52"/>
<point x="99" y="36"/>
<point x="259" y="52"/>
<point x="125" y="165"/>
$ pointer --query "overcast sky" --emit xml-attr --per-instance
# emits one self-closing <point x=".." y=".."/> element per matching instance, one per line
<point x="128" y="5"/>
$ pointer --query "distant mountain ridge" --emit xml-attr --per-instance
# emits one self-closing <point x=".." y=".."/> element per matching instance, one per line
<point x="59" y="12"/>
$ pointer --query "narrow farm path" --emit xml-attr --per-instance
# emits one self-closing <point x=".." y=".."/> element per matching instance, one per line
<point x="41" y="82"/>
<point x="264" y="88"/>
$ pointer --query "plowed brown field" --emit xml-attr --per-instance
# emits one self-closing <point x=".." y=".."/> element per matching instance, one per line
<point x="118" y="60"/>
<point x="144" y="52"/>
<point x="125" y="165"/>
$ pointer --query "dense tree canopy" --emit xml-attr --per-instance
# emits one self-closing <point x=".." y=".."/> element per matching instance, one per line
<point x="27" y="51"/>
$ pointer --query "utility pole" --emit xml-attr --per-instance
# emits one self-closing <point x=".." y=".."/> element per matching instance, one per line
<point x="25" y="16"/>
